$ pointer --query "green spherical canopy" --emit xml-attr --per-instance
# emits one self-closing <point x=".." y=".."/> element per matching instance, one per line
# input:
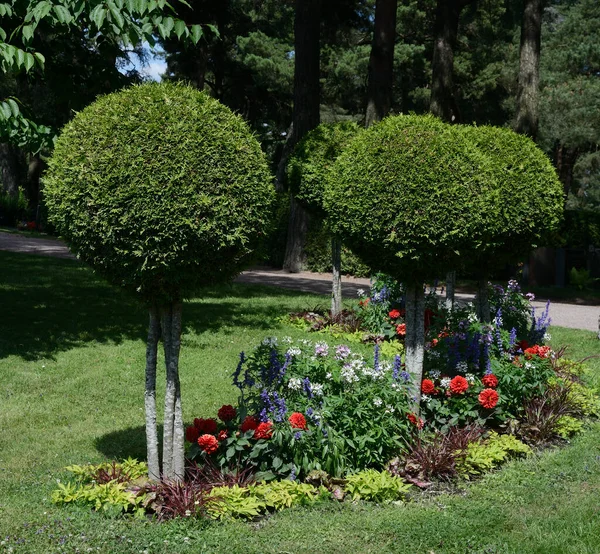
<point x="530" y="194"/>
<point x="412" y="197"/>
<point x="161" y="189"/>
<point x="313" y="157"/>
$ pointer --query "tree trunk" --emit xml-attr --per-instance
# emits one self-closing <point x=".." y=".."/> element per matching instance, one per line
<point x="10" y="169"/>
<point x="529" y="69"/>
<point x="564" y="161"/>
<point x="336" y="288"/>
<point x="306" y="113"/>
<point x="381" y="62"/>
<point x="483" y="303"/>
<point x="150" y="394"/>
<point x="34" y="173"/>
<point x="415" y="335"/>
<point x="450" y="286"/>
<point x="174" y="434"/>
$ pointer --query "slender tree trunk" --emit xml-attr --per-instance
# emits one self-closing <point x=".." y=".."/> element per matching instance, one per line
<point x="174" y="435"/>
<point x="10" y="170"/>
<point x="34" y="173"/>
<point x="564" y="160"/>
<point x="483" y="303"/>
<point x="381" y="62"/>
<point x="336" y="288"/>
<point x="450" y="286"/>
<point x="529" y="69"/>
<point x="415" y="335"/>
<point x="150" y="394"/>
<point x="306" y="113"/>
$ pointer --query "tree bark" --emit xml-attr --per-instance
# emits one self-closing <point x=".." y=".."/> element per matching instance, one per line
<point x="564" y="161"/>
<point x="450" y="286"/>
<point x="336" y="288"/>
<point x="527" y="116"/>
<point x="173" y="435"/>
<point x="415" y="336"/>
<point x="381" y="62"/>
<point x="34" y="173"/>
<point x="10" y="169"/>
<point x="483" y="303"/>
<point x="305" y="115"/>
<point x="150" y="394"/>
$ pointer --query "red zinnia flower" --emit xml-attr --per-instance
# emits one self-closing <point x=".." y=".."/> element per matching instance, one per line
<point x="401" y="329"/>
<point x="226" y="413"/>
<point x="208" y="443"/>
<point x="427" y="386"/>
<point x="206" y="425"/>
<point x="488" y="398"/>
<point x="434" y="342"/>
<point x="264" y="430"/>
<point x="536" y="350"/>
<point x="418" y="423"/>
<point x="394" y="314"/>
<point x="297" y="421"/>
<point x="222" y="435"/>
<point x="249" y="424"/>
<point x="490" y="381"/>
<point x="459" y="385"/>
<point x="192" y="433"/>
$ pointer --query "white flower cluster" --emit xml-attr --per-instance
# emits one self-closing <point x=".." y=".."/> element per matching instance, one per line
<point x="445" y="382"/>
<point x="462" y="367"/>
<point x="470" y="378"/>
<point x="295" y="384"/>
<point x="294" y="351"/>
<point x="348" y="374"/>
<point x="377" y="402"/>
<point x="270" y="341"/>
<point x="286" y="340"/>
<point x="547" y="337"/>
<point x="360" y="293"/>
<point x="317" y="389"/>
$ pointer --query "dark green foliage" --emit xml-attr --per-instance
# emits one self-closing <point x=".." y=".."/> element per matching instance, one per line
<point x="312" y="159"/>
<point x="411" y="197"/>
<point x="161" y="189"/>
<point x="529" y="193"/>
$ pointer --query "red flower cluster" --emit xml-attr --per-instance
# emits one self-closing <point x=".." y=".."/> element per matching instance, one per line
<point x="226" y="413"/>
<point x="536" y="350"/>
<point x="206" y="425"/>
<point x="394" y="314"/>
<point x="297" y="421"/>
<point x="192" y="433"/>
<point x="490" y="381"/>
<point x="401" y="329"/>
<point x="488" y="398"/>
<point x="427" y="386"/>
<point x="459" y="385"/>
<point x="249" y="424"/>
<point x="418" y="423"/>
<point x="264" y="430"/>
<point x="208" y="443"/>
<point x="364" y="303"/>
<point x="523" y="345"/>
<point x="222" y="435"/>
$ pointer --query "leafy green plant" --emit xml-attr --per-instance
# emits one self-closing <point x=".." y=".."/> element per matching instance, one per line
<point x="567" y="426"/>
<point x="482" y="456"/>
<point x="375" y="486"/>
<point x="581" y="278"/>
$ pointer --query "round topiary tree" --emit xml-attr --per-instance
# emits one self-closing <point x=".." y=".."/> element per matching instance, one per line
<point x="529" y="193"/>
<point x="162" y="190"/>
<point x="308" y="166"/>
<point x="412" y="198"/>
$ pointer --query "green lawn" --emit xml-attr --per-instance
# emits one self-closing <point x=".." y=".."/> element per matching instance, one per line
<point x="71" y="391"/>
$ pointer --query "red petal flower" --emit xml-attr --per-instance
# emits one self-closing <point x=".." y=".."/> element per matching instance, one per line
<point x="264" y="430"/>
<point x="427" y="386"/>
<point x="226" y="412"/>
<point x="297" y="421"/>
<point x="208" y="443"/>
<point x="394" y="314"/>
<point x="401" y="329"/>
<point x="488" y="398"/>
<point x="206" y="425"/>
<point x="459" y="385"/>
<point x="418" y="423"/>
<point x="192" y="433"/>
<point x="222" y="435"/>
<point x="490" y="381"/>
<point x="249" y="424"/>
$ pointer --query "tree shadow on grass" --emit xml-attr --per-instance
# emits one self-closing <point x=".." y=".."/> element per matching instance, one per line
<point x="130" y="442"/>
<point x="50" y="305"/>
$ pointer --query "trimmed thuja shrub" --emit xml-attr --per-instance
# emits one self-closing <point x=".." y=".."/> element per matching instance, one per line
<point x="531" y="197"/>
<point x="162" y="190"/>
<point x="309" y="164"/>
<point x="412" y="198"/>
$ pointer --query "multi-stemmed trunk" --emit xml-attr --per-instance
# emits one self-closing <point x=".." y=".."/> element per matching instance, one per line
<point x="483" y="302"/>
<point x="415" y="336"/>
<point x="336" y="288"/>
<point x="165" y="321"/>
<point x="450" y="287"/>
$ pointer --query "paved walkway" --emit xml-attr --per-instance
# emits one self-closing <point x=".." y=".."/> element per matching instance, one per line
<point x="563" y="315"/>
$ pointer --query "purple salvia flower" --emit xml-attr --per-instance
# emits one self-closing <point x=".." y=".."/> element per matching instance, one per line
<point x="376" y="357"/>
<point x="397" y="367"/>
<point x="405" y="376"/>
<point x="238" y="371"/>
<point x="297" y="435"/>
<point x="512" y="340"/>
<point x="307" y="387"/>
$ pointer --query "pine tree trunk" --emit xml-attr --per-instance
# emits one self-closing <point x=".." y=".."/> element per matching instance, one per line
<point x="306" y="116"/>
<point x="336" y="288"/>
<point x="415" y="335"/>
<point x="150" y="394"/>
<point x="564" y="161"/>
<point x="173" y="435"/>
<point x="450" y="286"/>
<point x="381" y="62"/>
<point x="10" y="170"/>
<point x="483" y="303"/>
<point x="529" y="69"/>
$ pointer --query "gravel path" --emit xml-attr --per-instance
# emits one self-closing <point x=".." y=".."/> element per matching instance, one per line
<point x="563" y="315"/>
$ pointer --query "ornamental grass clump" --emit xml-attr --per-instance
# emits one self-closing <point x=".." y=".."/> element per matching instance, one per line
<point x="162" y="190"/>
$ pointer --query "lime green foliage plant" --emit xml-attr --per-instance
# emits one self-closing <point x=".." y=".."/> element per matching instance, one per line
<point x="567" y="426"/>
<point x="162" y="190"/>
<point x="482" y="456"/>
<point x="376" y="486"/>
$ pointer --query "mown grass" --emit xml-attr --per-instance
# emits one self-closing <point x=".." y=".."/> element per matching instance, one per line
<point x="71" y="391"/>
